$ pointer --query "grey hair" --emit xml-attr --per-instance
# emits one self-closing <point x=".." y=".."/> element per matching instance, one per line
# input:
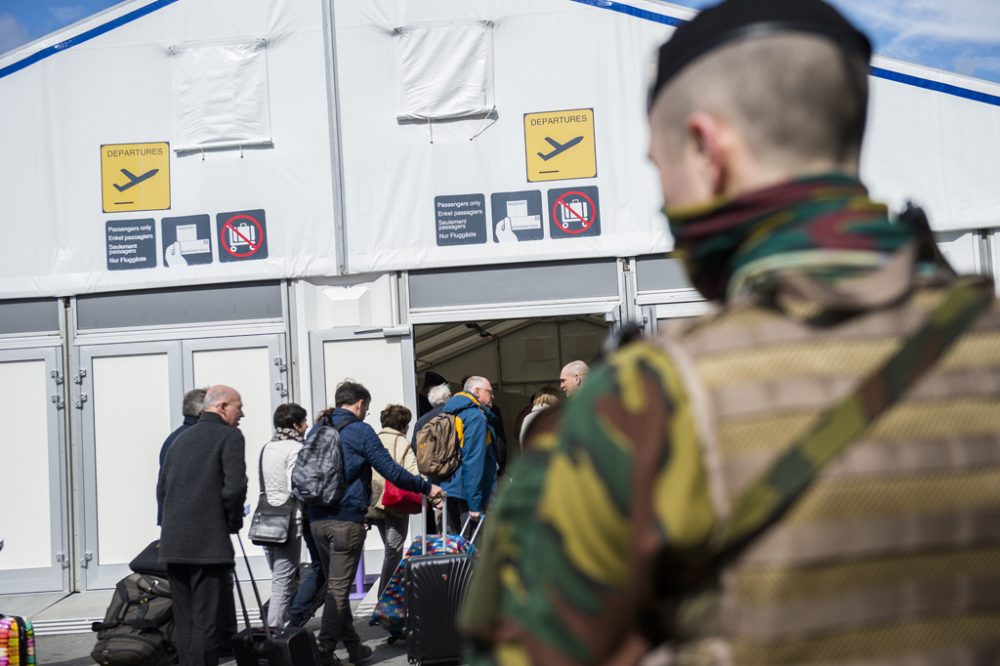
<point x="474" y="382"/>
<point x="438" y="395"/>
<point x="194" y="402"/>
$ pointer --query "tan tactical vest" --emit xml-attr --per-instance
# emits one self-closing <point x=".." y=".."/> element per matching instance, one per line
<point x="892" y="556"/>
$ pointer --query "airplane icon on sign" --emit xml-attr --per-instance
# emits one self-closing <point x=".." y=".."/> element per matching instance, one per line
<point x="134" y="180"/>
<point x="559" y="147"/>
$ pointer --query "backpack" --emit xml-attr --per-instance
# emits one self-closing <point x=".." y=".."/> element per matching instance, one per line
<point x="138" y="626"/>
<point x="439" y="446"/>
<point x="318" y="475"/>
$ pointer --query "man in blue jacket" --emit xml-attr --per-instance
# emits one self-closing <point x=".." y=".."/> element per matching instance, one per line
<point x="470" y="487"/>
<point x="339" y="529"/>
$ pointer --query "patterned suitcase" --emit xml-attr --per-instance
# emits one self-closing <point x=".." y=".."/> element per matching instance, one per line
<point x="435" y="585"/>
<point x="17" y="641"/>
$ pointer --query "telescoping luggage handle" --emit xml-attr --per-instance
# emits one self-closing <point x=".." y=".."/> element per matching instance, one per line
<point x="444" y="523"/>
<point x="256" y="592"/>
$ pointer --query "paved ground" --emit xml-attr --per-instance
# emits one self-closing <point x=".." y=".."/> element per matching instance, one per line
<point x="74" y="649"/>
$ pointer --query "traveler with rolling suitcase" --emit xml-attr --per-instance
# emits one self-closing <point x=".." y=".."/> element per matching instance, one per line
<point x="338" y="519"/>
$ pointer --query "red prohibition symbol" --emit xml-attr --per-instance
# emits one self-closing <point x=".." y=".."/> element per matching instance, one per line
<point x="575" y="215"/>
<point x="249" y="233"/>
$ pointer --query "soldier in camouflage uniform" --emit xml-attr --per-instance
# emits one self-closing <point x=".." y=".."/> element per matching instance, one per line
<point x="810" y="475"/>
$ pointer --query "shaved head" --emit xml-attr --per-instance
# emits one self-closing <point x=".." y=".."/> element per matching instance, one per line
<point x="797" y="104"/>
<point x="572" y="376"/>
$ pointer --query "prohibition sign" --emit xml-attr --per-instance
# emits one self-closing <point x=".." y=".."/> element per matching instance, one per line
<point x="254" y="244"/>
<point x="586" y="220"/>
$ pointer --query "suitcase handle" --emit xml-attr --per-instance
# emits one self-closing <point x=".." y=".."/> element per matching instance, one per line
<point x="475" y="532"/>
<point x="444" y="523"/>
<point x="256" y="592"/>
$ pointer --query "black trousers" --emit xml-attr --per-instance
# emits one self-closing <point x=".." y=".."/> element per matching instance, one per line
<point x="197" y="592"/>
<point x="227" y="627"/>
<point x="458" y="511"/>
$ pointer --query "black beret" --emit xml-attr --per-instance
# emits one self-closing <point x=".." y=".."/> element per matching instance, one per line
<point x="735" y="19"/>
<point x="432" y="378"/>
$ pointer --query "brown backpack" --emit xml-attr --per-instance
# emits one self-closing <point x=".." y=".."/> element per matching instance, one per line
<point x="438" y="450"/>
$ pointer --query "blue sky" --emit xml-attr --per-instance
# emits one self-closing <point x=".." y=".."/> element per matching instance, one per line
<point x="961" y="36"/>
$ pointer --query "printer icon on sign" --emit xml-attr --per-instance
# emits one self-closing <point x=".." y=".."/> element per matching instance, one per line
<point x="517" y="211"/>
<point x="187" y="237"/>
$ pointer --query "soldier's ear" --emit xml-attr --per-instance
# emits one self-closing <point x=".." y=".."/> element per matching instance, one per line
<point x="712" y="144"/>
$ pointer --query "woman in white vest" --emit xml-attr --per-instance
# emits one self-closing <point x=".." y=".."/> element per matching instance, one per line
<point x="277" y="461"/>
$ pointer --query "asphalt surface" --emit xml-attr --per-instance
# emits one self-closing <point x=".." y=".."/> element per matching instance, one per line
<point x="74" y="649"/>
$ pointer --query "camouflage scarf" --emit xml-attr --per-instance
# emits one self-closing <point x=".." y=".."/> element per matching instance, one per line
<point x="824" y="224"/>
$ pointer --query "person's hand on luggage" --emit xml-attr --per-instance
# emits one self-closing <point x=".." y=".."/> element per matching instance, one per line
<point x="475" y="515"/>
<point x="436" y="494"/>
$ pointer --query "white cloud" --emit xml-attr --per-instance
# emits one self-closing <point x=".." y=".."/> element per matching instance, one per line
<point x="984" y="67"/>
<point x="911" y="24"/>
<point x="68" y="13"/>
<point x="12" y="33"/>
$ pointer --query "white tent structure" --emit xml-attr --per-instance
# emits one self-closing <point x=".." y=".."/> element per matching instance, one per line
<point x="273" y="194"/>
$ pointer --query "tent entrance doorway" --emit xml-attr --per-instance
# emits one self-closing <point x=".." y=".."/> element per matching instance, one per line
<point x="519" y="356"/>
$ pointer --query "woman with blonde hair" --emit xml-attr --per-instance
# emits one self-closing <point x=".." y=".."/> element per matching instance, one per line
<point x="546" y="397"/>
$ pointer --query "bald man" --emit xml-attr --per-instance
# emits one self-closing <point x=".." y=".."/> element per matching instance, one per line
<point x="202" y="487"/>
<point x="572" y="375"/>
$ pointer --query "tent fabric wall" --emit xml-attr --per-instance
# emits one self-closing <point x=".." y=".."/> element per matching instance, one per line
<point x="220" y="94"/>
<point x="938" y="150"/>
<point x="549" y="55"/>
<point x="116" y="88"/>
<point x="446" y="70"/>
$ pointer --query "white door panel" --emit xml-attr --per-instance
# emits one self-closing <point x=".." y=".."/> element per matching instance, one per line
<point x="130" y="400"/>
<point x="132" y="417"/>
<point x="384" y="364"/>
<point x="254" y="366"/>
<point x="33" y="525"/>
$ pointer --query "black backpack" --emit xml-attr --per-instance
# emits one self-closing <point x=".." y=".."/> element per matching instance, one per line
<point x="138" y="626"/>
<point x="318" y="474"/>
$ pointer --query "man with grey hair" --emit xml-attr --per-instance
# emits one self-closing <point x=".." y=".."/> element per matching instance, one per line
<point x="202" y="488"/>
<point x="786" y="480"/>
<point x="470" y="487"/>
<point x="194" y="402"/>
<point x="572" y="375"/>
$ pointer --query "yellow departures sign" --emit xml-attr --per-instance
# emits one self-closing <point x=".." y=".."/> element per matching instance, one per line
<point x="559" y="145"/>
<point x="135" y="176"/>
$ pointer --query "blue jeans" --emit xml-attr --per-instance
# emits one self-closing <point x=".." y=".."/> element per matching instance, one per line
<point x="312" y="584"/>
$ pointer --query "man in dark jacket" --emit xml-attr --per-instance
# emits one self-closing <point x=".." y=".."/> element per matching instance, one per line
<point x="339" y="529"/>
<point x="202" y="487"/>
<point x="194" y="402"/>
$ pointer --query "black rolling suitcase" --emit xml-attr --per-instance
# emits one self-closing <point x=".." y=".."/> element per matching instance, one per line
<point x="435" y="586"/>
<point x="259" y="646"/>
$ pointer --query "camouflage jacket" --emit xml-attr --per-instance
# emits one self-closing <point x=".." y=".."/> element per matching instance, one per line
<point x="594" y="552"/>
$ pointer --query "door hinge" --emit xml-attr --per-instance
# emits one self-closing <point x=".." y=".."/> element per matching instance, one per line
<point x="62" y="560"/>
<point x="280" y="364"/>
<point x="79" y="403"/>
<point x="85" y="562"/>
<point x="281" y="389"/>
<point x="80" y="374"/>
<point x="58" y="401"/>
<point x="56" y="377"/>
